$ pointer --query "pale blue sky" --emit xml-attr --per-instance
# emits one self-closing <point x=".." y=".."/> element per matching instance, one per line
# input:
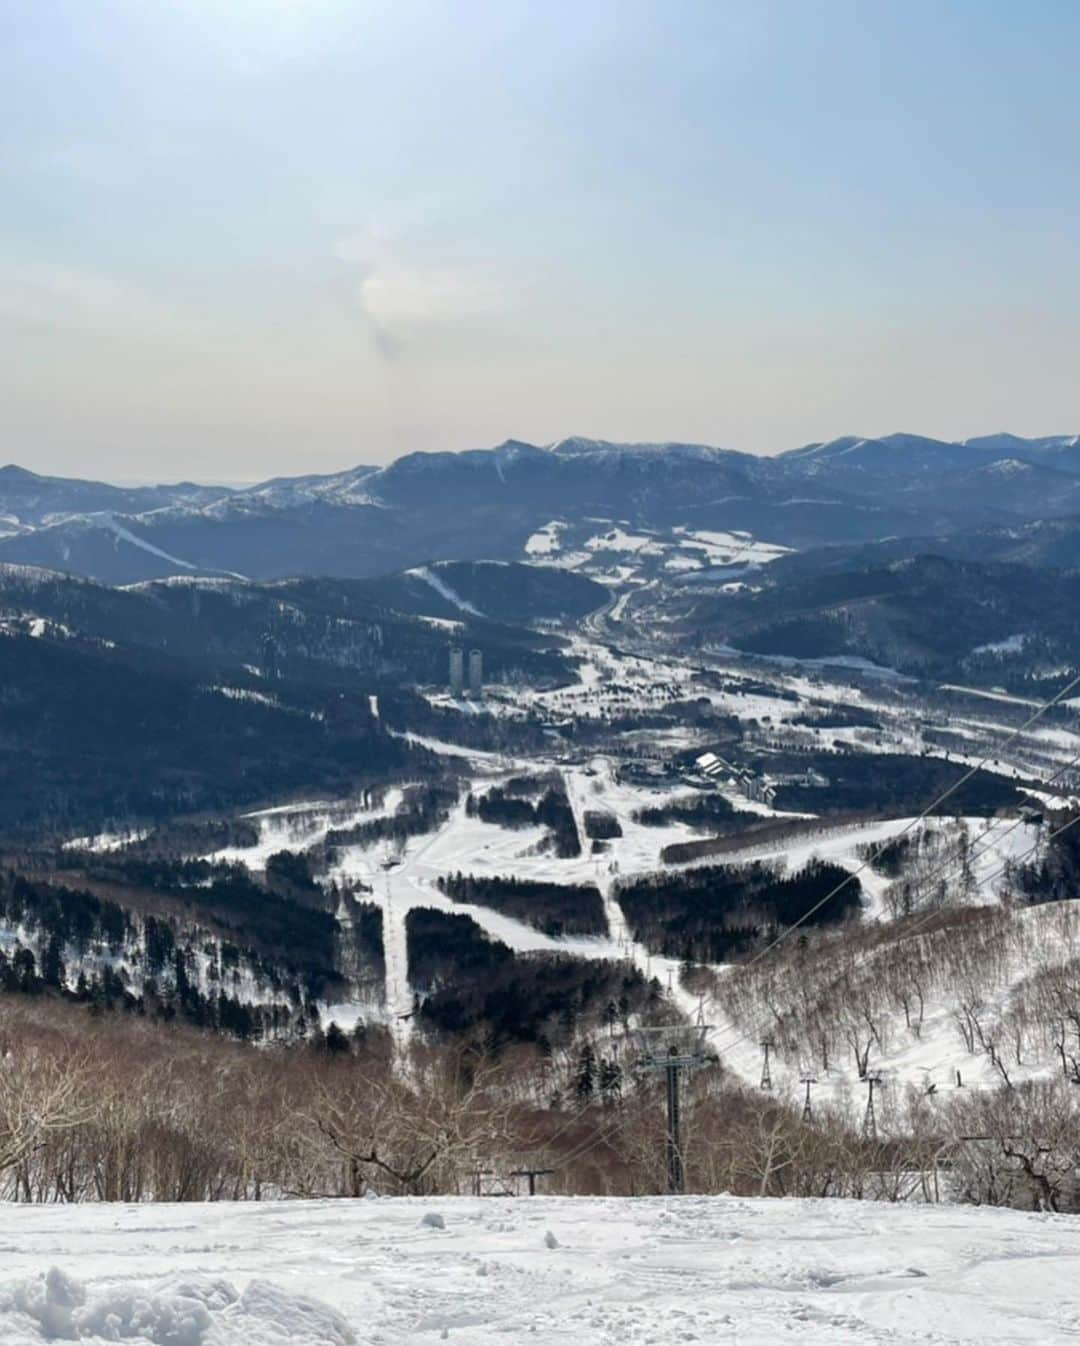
<point x="245" y="237"/>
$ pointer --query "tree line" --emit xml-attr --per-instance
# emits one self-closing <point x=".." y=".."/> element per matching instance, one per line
<point x="127" y="1110"/>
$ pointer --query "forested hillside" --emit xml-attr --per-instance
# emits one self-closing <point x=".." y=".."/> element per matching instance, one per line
<point x="95" y="737"/>
<point x="925" y="615"/>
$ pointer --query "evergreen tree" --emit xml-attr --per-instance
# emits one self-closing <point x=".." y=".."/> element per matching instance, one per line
<point x="52" y="968"/>
<point x="585" y="1079"/>
<point x="336" y="1041"/>
<point x="610" y="1080"/>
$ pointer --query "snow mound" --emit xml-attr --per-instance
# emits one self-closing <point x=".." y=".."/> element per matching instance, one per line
<point x="293" y="1318"/>
<point x="194" y="1312"/>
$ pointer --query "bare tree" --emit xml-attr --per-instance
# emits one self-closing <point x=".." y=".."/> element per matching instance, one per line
<point x="40" y="1096"/>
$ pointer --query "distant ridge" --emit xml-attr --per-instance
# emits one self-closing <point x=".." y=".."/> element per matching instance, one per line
<point x="368" y="520"/>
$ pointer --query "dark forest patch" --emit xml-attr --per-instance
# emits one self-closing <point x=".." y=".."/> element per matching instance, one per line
<point x="554" y="908"/>
<point x="718" y="913"/>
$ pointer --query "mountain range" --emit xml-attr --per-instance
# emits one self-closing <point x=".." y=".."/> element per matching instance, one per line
<point x="486" y="503"/>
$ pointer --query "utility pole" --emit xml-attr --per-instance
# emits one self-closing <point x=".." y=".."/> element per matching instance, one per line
<point x="809" y="1081"/>
<point x="673" y="1050"/>
<point x="873" y="1081"/>
<point x="676" y="1172"/>
<point x="766" y="1074"/>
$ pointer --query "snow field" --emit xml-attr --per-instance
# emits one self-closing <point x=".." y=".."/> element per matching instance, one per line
<point x="545" y="541"/>
<point x="677" y="550"/>
<point x="549" y="1270"/>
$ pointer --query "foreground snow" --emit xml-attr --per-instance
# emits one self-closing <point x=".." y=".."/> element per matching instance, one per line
<point x="546" y="1270"/>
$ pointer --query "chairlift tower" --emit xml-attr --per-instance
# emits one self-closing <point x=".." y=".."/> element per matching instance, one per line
<point x="809" y="1081"/>
<point x="671" y="1049"/>
<point x="873" y="1080"/>
<point x="766" y="1074"/>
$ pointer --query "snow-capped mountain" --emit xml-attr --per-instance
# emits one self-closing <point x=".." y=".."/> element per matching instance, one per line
<point x="27" y="498"/>
<point x="489" y="502"/>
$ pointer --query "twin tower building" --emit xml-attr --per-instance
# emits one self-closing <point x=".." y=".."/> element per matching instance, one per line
<point x="457" y="672"/>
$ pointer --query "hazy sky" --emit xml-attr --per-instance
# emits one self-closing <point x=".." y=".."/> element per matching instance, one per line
<point x="245" y="237"/>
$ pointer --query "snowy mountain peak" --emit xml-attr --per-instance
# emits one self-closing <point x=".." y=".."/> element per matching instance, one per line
<point x="579" y="446"/>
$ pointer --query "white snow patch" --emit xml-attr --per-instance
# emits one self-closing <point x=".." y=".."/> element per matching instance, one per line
<point x="126" y="535"/>
<point x="246" y="694"/>
<point x="739" y="548"/>
<point x="620" y="541"/>
<point x="104" y="842"/>
<point x="444" y="590"/>
<point x="546" y="541"/>
<point x="989" y="694"/>
<point x="680" y="561"/>
<point x="1010" y="645"/>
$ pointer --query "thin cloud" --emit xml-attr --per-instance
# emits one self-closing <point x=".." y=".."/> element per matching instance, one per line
<point x="70" y="296"/>
<point x="397" y="297"/>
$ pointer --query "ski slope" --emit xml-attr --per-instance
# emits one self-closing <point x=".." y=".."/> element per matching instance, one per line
<point x="546" y="1270"/>
<point x="444" y="590"/>
<point x="401" y="876"/>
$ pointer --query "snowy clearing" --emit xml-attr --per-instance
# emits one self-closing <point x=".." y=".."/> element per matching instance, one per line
<point x="299" y="826"/>
<point x="726" y="549"/>
<point x="546" y="541"/>
<point x="548" y="1270"/>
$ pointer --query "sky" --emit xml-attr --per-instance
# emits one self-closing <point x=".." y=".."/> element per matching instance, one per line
<point x="242" y="238"/>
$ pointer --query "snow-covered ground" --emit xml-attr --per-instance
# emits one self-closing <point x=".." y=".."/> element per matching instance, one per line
<point x="554" y="1271"/>
<point x="993" y="842"/>
<point x="730" y="549"/>
<point x="545" y="541"/>
<point x="767" y="695"/>
<point x="402" y="876"/>
<point x="617" y="554"/>
<point x="298" y="826"/>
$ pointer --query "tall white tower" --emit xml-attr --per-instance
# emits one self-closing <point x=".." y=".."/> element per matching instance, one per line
<point x="457" y="670"/>
<point x="476" y="672"/>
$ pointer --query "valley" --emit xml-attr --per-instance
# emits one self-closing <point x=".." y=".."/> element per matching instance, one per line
<point x="667" y="795"/>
